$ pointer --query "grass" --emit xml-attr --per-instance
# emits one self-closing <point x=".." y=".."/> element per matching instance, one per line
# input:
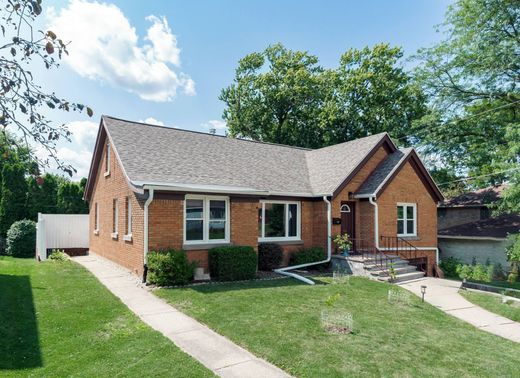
<point x="57" y="320"/>
<point x="279" y="320"/>
<point x="493" y="303"/>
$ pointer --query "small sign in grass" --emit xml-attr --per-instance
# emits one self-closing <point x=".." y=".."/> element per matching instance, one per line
<point x="399" y="297"/>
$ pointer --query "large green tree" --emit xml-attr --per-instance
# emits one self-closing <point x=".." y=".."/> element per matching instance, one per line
<point x="285" y="96"/>
<point x="13" y="194"/>
<point x="472" y="78"/>
<point x="276" y="97"/>
<point x="42" y="195"/>
<point x="70" y="198"/>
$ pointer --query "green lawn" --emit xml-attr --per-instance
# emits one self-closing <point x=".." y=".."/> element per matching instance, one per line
<point x="279" y="320"/>
<point x="57" y="320"/>
<point x="494" y="304"/>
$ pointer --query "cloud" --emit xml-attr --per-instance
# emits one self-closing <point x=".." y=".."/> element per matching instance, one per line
<point x="152" y="121"/>
<point x="216" y="124"/>
<point x="78" y="152"/>
<point x="104" y="46"/>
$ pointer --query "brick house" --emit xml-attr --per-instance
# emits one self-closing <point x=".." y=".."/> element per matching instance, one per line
<point x="153" y="187"/>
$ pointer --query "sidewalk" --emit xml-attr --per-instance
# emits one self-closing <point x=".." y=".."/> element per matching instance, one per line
<point x="444" y="294"/>
<point x="214" y="351"/>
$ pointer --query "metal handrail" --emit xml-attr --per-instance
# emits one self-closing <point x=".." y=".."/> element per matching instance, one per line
<point x="368" y="249"/>
<point x="401" y="246"/>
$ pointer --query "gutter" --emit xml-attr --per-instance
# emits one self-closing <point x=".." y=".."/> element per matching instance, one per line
<point x="372" y="200"/>
<point x="145" y="249"/>
<point x="285" y="271"/>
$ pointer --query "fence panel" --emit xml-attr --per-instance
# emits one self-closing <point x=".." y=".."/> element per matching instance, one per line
<point x="61" y="231"/>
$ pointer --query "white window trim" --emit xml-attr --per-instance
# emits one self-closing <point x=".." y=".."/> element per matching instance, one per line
<point x="263" y="238"/>
<point x="96" y="219"/>
<point x="128" y="235"/>
<point x="405" y="219"/>
<point x="107" y="168"/>
<point x="205" y="220"/>
<point x="115" y="226"/>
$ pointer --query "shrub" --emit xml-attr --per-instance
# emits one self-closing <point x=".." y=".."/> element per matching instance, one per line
<point x="269" y="256"/>
<point x="232" y="263"/>
<point x="449" y="267"/>
<point x="57" y="255"/>
<point x="169" y="268"/>
<point x="21" y="239"/>
<point x="307" y="255"/>
<point x="465" y="271"/>
<point x="499" y="273"/>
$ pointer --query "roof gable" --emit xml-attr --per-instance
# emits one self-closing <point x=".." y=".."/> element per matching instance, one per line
<point x="383" y="175"/>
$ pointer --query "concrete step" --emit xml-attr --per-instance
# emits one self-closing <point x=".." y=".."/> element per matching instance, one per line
<point x="376" y="265"/>
<point x="404" y="277"/>
<point x="398" y="270"/>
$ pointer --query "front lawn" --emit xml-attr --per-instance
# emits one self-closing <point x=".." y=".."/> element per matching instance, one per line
<point x="493" y="303"/>
<point x="57" y="320"/>
<point x="279" y="320"/>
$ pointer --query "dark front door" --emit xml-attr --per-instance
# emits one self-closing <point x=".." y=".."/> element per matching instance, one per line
<point x="348" y="218"/>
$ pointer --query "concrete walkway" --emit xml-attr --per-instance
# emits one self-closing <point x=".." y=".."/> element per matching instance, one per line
<point x="444" y="294"/>
<point x="214" y="351"/>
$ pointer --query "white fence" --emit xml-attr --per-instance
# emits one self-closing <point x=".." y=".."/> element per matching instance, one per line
<point x="61" y="231"/>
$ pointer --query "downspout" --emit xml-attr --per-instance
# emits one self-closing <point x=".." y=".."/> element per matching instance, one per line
<point x="145" y="252"/>
<point x="285" y="271"/>
<point x="376" y="221"/>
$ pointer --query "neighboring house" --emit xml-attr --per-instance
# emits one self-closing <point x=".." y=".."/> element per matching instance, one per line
<point x="153" y="187"/>
<point x="468" y="231"/>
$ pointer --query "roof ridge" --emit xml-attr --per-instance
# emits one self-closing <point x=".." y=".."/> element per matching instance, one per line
<point x="208" y="134"/>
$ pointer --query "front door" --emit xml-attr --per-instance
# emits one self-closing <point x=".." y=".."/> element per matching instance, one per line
<point x="348" y="218"/>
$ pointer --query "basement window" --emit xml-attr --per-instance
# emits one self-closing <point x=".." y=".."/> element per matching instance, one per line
<point x="406" y="219"/>
<point x="278" y="221"/>
<point x="206" y="219"/>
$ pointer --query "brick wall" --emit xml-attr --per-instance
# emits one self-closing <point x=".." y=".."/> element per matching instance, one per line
<point x="406" y="187"/>
<point x="107" y="188"/>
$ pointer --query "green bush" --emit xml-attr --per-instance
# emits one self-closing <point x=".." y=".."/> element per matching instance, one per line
<point x="21" y="239"/>
<point x="477" y="272"/>
<point x="169" y="268"/>
<point x="232" y="263"/>
<point x="465" y="271"/>
<point x="306" y="255"/>
<point x="269" y="256"/>
<point x="449" y="267"/>
<point x="57" y="255"/>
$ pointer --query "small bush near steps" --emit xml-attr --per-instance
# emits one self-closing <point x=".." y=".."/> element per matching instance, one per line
<point x="58" y="255"/>
<point x="269" y="256"/>
<point x="21" y="239"/>
<point x="169" y="268"/>
<point x="232" y="263"/>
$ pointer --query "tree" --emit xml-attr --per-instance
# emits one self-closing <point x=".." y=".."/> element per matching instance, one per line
<point x="70" y="198"/>
<point x="285" y="96"/>
<point x="472" y="79"/>
<point x="372" y="93"/>
<point x="22" y="100"/>
<point x="276" y="97"/>
<point x="42" y="195"/>
<point x="13" y="189"/>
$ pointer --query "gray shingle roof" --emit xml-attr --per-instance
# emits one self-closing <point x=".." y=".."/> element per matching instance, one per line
<point x="154" y="154"/>
<point x="383" y="172"/>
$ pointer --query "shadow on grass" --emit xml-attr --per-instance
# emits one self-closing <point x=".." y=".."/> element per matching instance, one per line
<point x="19" y="343"/>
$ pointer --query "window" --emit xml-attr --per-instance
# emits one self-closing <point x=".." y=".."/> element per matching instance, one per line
<point x="278" y="220"/>
<point x="128" y="233"/>
<point x="107" y="160"/>
<point x="406" y="219"/>
<point x="206" y="219"/>
<point x="114" y="218"/>
<point x="96" y="219"/>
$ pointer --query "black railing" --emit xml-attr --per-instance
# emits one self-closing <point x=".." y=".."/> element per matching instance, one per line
<point x="368" y="250"/>
<point x="404" y="249"/>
